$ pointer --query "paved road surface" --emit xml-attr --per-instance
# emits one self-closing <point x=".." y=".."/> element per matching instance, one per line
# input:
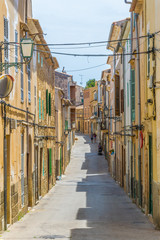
<point x="85" y="205"/>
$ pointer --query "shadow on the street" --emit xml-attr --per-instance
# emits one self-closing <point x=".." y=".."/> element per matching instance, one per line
<point x="109" y="213"/>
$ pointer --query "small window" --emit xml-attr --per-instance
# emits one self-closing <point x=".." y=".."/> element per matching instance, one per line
<point x="35" y="96"/>
<point x="41" y="61"/>
<point x="38" y="57"/>
<point x="42" y="109"/>
<point x="47" y="101"/>
<point x="39" y="108"/>
<point x="49" y="104"/>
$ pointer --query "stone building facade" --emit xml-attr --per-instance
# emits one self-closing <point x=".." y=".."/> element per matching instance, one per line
<point x="27" y="147"/>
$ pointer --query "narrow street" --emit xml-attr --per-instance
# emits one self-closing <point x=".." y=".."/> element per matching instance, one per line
<point x="86" y="204"/>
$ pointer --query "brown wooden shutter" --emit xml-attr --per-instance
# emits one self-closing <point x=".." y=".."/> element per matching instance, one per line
<point x="122" y="100"/>
<point x="117" y="95"/>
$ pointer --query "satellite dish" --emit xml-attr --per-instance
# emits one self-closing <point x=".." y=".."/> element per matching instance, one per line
<point x="6" y="85"/>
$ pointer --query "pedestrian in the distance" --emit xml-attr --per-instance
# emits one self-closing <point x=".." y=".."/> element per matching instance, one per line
<point x="94" y="135"/>
<point x="91" y="137"/>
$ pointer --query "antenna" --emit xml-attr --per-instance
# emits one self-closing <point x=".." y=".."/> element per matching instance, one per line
<point x="81" y="82"/>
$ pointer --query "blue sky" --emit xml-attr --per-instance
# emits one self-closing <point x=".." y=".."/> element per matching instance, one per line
<point x="66" y="21"/>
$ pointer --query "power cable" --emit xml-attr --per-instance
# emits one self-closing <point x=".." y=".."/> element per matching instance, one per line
<point x="91" y="55"/>
<point x="88" y="43"/>
<point x="83" y="69"/>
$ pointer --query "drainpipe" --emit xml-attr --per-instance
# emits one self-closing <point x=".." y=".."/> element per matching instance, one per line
<point x="131" y="157"/>
<point x="26" y="18"/>
<point x="115" y="155"/>
<point x="5" y="169"/>
<point x="124" y="82"/>
<point x="139" y="111"/>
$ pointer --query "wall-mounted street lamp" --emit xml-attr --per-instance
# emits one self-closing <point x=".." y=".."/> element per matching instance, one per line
<point x="27" y="49"/>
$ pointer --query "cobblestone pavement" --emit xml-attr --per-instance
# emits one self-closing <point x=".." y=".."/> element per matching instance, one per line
<point x="86" y="204"/>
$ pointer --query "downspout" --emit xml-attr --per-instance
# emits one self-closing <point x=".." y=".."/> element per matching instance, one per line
<point x="26" y="13"/>
<point x="131" y="158"/>
<point x="108" y="126"/>
<point x="115" y="121"/>
<point x="124" y="82"/>
<point x="139" y="111"/>
<point x="132" y="174"/>
<point x="5" y="169"/>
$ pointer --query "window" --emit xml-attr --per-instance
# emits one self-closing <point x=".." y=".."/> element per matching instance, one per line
<point x="127" y="94"/>
<point x="47" y="101"/>
<point x="6" y="39"/>
<point x="39" y="108"/>
<point x="35" y="96"/>
<point x="22" y="88"/>
<point x="117" y="95"/>
<point x="133" y="95"/>
<point x="16" y="50"/>
<point x="41" y="61"/>
<point x="95" y="96"/>
<point x="122" y="100"/>
<point x="66" y="125"/>
<point x="50" y="161"/>
<point x="38" y="57"/>
<point x="42" y="109"/>
<point x="49" y="104"/>
<point x="29" y="82"/>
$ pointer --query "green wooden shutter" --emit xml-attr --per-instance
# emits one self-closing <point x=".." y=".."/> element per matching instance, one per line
<point x="49" y="104"/>
<point x="60" y="161"/>
<point x="133" y="95"/>
<point x="66" y="125"/>
<point x="47" y="101"/>
<point x="50" y="161"/>
<point x="128" y="94"/>
<point x="39" y="108"/>
<point x="43" y="109"/>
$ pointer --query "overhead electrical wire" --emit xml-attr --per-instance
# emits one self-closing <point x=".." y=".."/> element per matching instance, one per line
<point x="88" y="43"/>
<point x="90" y="55"/>
<point x="83" y="69"/>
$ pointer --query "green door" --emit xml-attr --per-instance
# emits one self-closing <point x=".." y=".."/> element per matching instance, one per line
<point x="150" y="175"/>
<point x="60" y="161"/>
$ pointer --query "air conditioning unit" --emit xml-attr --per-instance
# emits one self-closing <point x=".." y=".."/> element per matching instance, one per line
<point x="13" y="124"/>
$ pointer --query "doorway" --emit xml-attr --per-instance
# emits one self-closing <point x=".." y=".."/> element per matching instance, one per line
<point x="29" y="172"/>
<point x="150" y="175"/>
<point x="36" y="172"/>
<point x="49" y="153"/>
<point x="40" y="171"/>
<point x="8" y="181"/>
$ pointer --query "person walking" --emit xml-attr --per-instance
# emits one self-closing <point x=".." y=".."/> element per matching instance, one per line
<point x="94" y="135"/>
<point x="91" y="137"/>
